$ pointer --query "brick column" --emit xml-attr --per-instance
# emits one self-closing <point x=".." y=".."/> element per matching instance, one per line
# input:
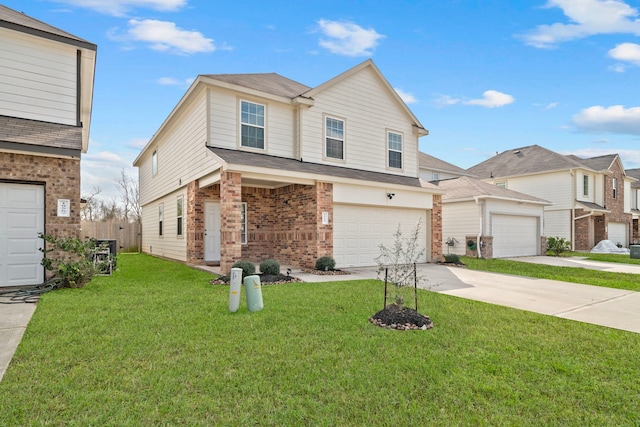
<point x="324" y="232"/>
<point x="195" y="224"/>
<point x="436" y="229"/>
<point x="230" y="220"/>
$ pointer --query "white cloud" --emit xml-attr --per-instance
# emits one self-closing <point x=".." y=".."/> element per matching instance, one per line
<point x="445" y="100"/>
<point x="101" y="169"/>
<point x="170" y="81"/>
<point x="407" y="97"/>
<point x="615" y="119"/>
<point x="165" y="36"/>
<point x="586" y="18"/>
<point x="121" y="7"/>
<point x="347" y="38"/>
<point x="551" y="106"/>
<point x="628" y="52"/>
<point x="492" y="99"/>
<point x="137" y="143"/>
<point x="618" y="68"/>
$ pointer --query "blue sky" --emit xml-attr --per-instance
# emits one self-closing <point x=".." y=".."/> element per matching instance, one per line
<point x="482" y="76"/>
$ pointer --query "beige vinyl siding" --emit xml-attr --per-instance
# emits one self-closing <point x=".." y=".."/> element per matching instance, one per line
<point x="555" y="187"/>
<point x="459" y="220"/>
<point x="557" y="223"/>
<point x="37" y="78"/>
<point x="182" y="154"/>
<point x="427" y="175"/>
<point x="369" y="110"/>
<point x="224" y="128"/>
<point x="599" y="190"/>
<point x="169" y="244"/>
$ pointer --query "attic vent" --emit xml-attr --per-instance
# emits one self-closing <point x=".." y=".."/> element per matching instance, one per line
<point x="516" y="152"/>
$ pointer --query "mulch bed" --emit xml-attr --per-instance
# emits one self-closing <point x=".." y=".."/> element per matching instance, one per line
<point x="400" y="318"/>
<point x="265" y="279"/>
<point x="326" y="272"/>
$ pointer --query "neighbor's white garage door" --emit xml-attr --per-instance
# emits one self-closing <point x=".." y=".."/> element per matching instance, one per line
<point x="358" y="232"/>
<point x="514" y="235"/>
<point x="21" y="219"/>
<point x="618" y="233"/>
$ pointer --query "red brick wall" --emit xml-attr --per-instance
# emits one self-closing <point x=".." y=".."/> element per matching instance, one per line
<point x="583" y="231"/>
<point x="616" y="206"/>
<point x="195" y="219"/>
<point x="230" y="219"/>
<point x="61" y="178"/>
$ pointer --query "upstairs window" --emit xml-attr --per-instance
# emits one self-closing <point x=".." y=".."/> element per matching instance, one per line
<point x="252" y="125"/>
<point x="435" y="176"/>
<point x="501" y="184"/>
<point x="160" y="218"/>
<point x="614" y="184"/>
<point x="334" y="136"/>
<point x="394" y="143"/>
<point x="585" y="185"/>
<point x="154" y="162"/>
<point x="179" y="216"/>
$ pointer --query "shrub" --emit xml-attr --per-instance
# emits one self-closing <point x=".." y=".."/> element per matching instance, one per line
<point x="557" y="245"/>
<point x="69" y="259"/>
<point x="270" y="266"/>
<point x="247" y="267"/>
<point x="325" y="263"/>
<point x="452" y="258"/>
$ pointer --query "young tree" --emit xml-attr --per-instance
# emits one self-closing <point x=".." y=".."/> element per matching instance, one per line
<point x="129" y="191"/>
<point x="89" y="210"/>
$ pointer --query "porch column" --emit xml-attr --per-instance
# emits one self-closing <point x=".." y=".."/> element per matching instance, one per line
<point x="436" y="229"/>
<point x="230" y="220"/>
<point x="324" y="232"/>
<point x="195" y="224"/>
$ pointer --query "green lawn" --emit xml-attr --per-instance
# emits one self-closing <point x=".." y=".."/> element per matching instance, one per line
<point x="155" y="345"/>
<point x="624" y="259"/>
<point x="567" y="274"/>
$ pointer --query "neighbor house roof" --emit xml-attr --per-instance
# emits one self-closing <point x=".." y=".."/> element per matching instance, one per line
<point x="535" y="159"/>
<point x="36" y="133"/>
<point x="634" y="173"/>
<point x="433" y="163"/>
<point x="272" y="83"/>
<point x="18" y="21"/>
<point x="280" y="163"/>
<point x="467" y="188"/>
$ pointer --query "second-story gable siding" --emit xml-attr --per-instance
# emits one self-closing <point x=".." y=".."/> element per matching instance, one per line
<point x="38" y="78"/>
<point x="224" y="122"/>
<point x="369" y="111"/>
<point x="587" y="185"/>
<point x="181" y="150"/>
<point x="555" y="187"/>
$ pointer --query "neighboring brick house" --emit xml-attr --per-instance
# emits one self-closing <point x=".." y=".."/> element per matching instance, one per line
<point x="590" y="197"/>
<point x="634" y="200"/>
<point x="257" y="166"/>
<point x="46" y="90"/>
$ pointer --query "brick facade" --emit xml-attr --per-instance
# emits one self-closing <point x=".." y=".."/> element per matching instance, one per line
<point x="61" y="180"/>
<point x="436" y="229"/>
<point x="230" y="219"/>
<point x="486" y="246"/>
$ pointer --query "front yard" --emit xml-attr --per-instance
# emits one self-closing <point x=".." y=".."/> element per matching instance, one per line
<point x="154" y="344"/>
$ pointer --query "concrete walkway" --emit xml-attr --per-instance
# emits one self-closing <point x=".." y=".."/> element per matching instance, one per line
<point x="613" y="308"/>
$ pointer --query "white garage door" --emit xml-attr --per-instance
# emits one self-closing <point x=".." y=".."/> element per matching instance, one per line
<point x="618" y="233"/>
<point x="358" y="232"/>
<point x="21" y="219"/>
<point x="514" y="235"/>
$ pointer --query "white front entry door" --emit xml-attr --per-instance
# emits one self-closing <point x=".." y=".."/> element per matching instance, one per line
<point x="211" y="231"/>
<point x="21" y="219"/>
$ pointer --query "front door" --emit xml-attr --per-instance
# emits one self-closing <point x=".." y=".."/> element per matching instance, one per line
<point x="211" y="231"/>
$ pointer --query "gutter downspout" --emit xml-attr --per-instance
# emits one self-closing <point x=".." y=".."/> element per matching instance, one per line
<point x="572" y="226"/>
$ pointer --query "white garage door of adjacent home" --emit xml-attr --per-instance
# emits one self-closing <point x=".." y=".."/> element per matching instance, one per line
<point x="618" y="233"/>
<point x="514" y="235"/>
<point x="21" y="219"/>
<point x="358" y="232"/>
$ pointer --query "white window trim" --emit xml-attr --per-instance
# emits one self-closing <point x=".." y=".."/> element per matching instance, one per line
<point x="388" y="150"/>
<point x="243" y="225"/>
<point x="585" y="188"/>
<point x="240" y="123"/>
<point x="161" y="220"/>
<point x="154" y="162"/>
<point x="501" y="184"/>
<point x="180" y="217"/>
<point x="324" y="138"/>
<point x="435" y="176"/>
<point x="614" y="186"/>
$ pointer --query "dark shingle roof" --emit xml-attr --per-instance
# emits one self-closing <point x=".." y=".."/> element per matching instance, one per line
<point x="600" y="163"/>
<point x="592" y="206"/>
<point x="634" y="173"/>
<point x="271" y="83"/>
<point x="33" y="132"/>
<point x="466" y="187"/>
<point x="429" y="162"/>
<point x="281" y="163"/>
<point x="18" y="21"/>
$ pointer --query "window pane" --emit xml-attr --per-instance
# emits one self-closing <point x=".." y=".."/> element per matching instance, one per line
<point x="395" y="141"/>
<point x="395" y="159"/>
<point x="154" y="163"/>
<point x="335" y="148"/>
<point x="252" y="137"/>
<point x="335" y="128"/>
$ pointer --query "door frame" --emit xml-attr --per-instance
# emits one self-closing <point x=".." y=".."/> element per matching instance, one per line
<point x="211" y="230"/>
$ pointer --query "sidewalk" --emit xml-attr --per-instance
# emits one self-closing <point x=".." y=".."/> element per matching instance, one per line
<point x="14" y="319"/>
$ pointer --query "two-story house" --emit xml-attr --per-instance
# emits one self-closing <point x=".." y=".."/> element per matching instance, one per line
<point x="46" y="90"/>
<point x="634" y="200"/>
<point x="257" y="166"/>
<point x="589" y="197"/>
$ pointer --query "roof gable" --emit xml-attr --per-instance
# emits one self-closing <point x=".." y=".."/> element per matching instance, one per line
<point x="18" y="21"/>
<point x="270" y="83"/>
<point x="464" y="188"/>
<point x="429" y="162"/>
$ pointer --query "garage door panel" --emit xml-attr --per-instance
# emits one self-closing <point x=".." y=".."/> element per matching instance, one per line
<point x="618" y="233"/>
<point x="21" y="219"/>
<point x="359" y="231"/>
<point x="514" y="235"/>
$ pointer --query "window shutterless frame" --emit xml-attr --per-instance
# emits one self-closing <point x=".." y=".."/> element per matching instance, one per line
<point x="252" y="124"/>
<point x="334" y="138"/>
